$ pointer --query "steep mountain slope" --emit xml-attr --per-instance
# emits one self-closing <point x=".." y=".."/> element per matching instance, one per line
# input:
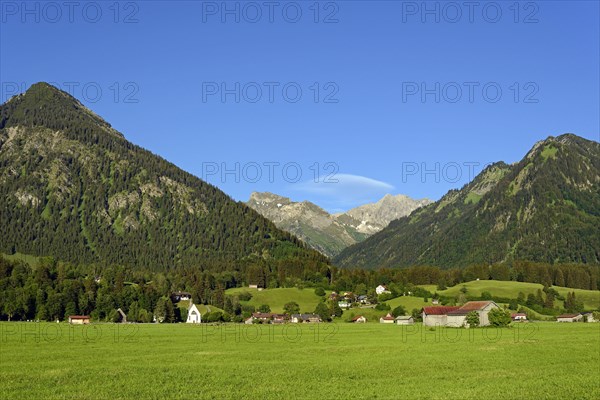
<point x="544" y="208"/>
<point x="331" y="233"/>
<point x="72" y="187"/>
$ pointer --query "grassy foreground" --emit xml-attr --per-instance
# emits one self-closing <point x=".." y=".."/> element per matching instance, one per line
<point x="536" y="360"/>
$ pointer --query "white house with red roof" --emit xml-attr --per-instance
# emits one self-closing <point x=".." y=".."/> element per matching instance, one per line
<point x="359" y="319"/>
<point x="518" y="317"/>
<point x="388" y="319"/>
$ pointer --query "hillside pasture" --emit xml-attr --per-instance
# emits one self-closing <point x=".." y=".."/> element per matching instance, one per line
<point x="277" y="298"/>
<point x="511" y="289"/>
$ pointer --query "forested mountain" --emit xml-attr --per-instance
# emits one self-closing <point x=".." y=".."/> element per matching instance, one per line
<point x="331" y="233"/>
<point x="545" y="208"/>
<point x="73" y="188"/>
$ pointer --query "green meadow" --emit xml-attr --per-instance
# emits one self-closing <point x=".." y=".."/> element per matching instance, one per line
<point x="511" y="289"/>
<point x="542" y="360"/>
<point x="277" y="298"/>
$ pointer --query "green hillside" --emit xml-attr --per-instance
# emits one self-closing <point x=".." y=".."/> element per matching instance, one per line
<point x="277" y="298"/>
<point x="545" y="208"/>
<point x="511" y="289"/>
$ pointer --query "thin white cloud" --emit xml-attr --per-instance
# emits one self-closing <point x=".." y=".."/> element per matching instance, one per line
<point x="343" y="190"/>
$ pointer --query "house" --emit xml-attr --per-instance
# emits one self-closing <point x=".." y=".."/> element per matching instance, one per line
<point x="589" y="317"/>
<point x="180" y="296"/>
<point x="359" y="319"/>
<point x="363" y="299"/>
<point x="457" y="316"/>
<point x="344" y="304"/>
<point x="194" y="316"/>
<point x="518" y="317"/>
<point x="435" y="301"/>
<point x="252" y="286"/>
<point x="349" y="297"/>
<point x="381" y="289"/>
<point x="305" y="318"/>
<point x="404" y="320"/>
<point x="388" y="319"/>
<point x="267" y="318"/>
<point x="570" y="318"/>
<point x="333" y="296"/>
<point x="79" y="319"/>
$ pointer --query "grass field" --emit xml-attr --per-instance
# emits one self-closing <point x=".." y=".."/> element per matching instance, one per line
<point x="322" y="361"/>
<point x="277" y="298"/>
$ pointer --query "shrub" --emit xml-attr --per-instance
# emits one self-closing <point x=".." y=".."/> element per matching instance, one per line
<point x="473" y="319"/>
<point x="398" y="311"/>
<point x="264" y="308"/>
<point x="499" y="317"/>
<point x="245" y="296"/>
<point x="320" y="291"/>
<point x="486" y="296"/>
<point x="383" y="307"/>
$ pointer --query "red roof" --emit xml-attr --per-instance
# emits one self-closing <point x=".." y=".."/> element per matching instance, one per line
<point x="475" y="305"/>
<point x="518" y="315"/>
<point x="568" y="316"/>
<point x="440" y="310"/>
<point x="388" y="317"/>
<point x="79" y="317"/>
<point x="356" y="318"/>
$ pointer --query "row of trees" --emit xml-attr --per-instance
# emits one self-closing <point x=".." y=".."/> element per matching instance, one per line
<point x="52" y="290"/>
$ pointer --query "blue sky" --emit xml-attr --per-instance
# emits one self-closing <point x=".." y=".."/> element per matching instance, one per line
<point x="338" y="103"/>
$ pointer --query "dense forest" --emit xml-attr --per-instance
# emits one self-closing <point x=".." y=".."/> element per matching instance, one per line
<point x="73" y="188"/>
<point x="53" y="290"/>
<point x="546" y="208"/>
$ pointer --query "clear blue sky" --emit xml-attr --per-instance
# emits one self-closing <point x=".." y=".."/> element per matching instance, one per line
<point x="370" y="60"/>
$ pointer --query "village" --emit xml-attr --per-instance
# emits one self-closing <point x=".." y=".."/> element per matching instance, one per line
<point x="468" y="315"/>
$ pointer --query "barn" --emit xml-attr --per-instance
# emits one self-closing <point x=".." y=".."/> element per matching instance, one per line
<point x="569" y="318"/>
<point x="404" y="320"/>
<point x="437" y="316"/>
<point x="79" y="319"/>
<point x="457" y="316"/>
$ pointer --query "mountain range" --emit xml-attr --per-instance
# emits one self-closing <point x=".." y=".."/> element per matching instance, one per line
<point x="545" y="208"/>
<point x="331" y="233"/>
<point x="73" y="188"/>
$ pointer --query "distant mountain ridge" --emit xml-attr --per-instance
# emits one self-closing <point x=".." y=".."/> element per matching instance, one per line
<point x="330" y="233"/>
<point x="544" y="208"/>
<point x="73" y="188"/>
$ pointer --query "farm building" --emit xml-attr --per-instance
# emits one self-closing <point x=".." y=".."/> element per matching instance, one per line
<point x="570" y="318"/>
<point x="457" y="316"/>
<point x="433" y="316"/>
<point x="388" y="319"/>
<point x="404" y="320"/>
<point x="194" y="316"/>
<point x="305" y="318"/>
<point x="589" y="317"/>
<point x="79" y="319"/>
<point x="359" y="319"/>
<point x="518" y="317"/>
<point x="362" y="299"/>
